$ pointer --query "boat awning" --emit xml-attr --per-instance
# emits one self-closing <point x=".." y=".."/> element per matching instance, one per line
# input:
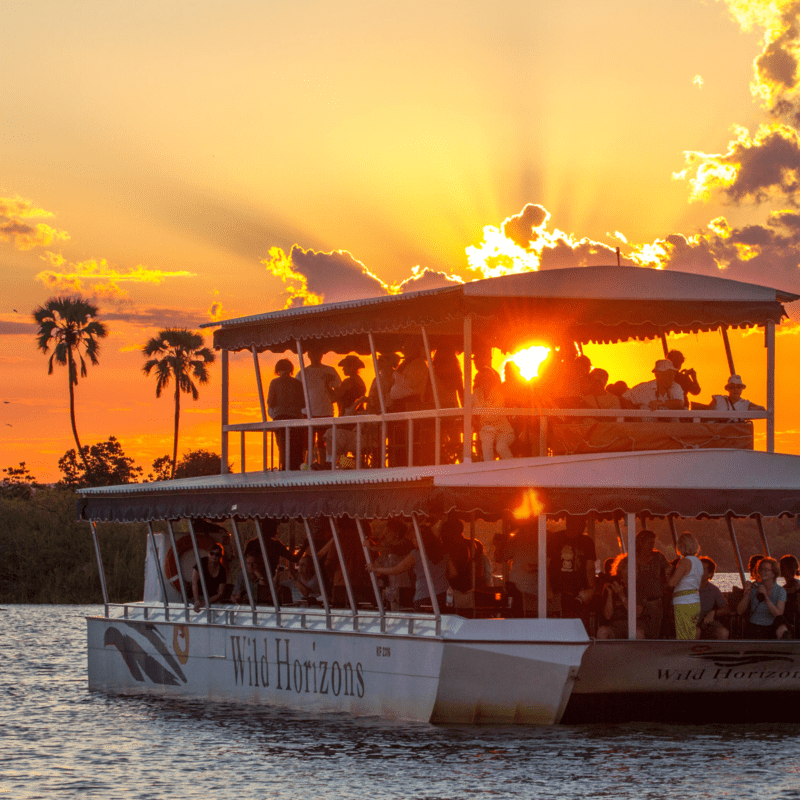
<point x="600" y="304"/>
<point x="689" y="483"/>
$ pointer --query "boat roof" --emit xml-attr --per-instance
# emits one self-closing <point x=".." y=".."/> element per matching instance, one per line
<point x="689" y="483"/>
<point x="584" y="304"/>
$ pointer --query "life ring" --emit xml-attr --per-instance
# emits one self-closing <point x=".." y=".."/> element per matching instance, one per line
<point x="184" y="544"/>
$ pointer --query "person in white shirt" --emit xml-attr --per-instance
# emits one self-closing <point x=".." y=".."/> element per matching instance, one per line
<point x="661" y="393"/>
<point x="733" y="401"/>
<point x="321" y="381"/>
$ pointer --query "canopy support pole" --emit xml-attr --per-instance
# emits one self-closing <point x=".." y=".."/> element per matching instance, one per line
<point x="664" y="345"/>
<point x="318" y="571"/>
<point x="673" y="531"/>
<point x="159" y="569"/>
<point x="224" y="413"/>
<point x="468" y="389"/>
<point x="181" y="584"/>
<point x="769" y="336"/>
<point x="728" y="353"/>
<point x="310" y="452"/>
<point x="734" y="540"/>
<point x="427" y="570"/>
<point x="345" y="576"/>
<point x="270" y="573"/>
<point x="372" y="578"/>
<point x="542" y="566"/>
<point x="763" y="535"/>
<point x="437" y="458"/>
<point x="199" y="568"/>
<point x="246" y="577"/>
<point x="630" y="524"/>
<point x="100" y="566"/>
<point x="381" y="398"/>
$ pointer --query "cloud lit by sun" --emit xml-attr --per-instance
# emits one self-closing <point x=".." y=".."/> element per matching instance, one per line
<point x="698" y="81"/>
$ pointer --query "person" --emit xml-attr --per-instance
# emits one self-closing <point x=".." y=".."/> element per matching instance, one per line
<point x="215" y="576"/>
<point x="764" y="603"/>
<point x="407" y="394"/>
<point x="354" y="564"/>
<point x="321" y="381"/>
<point x="685" y="581"/>
<point x="450" y="389"/>
<point x="347" y="396"/>
<point x="652" y="568"/>
<point x="399" y="589"/>
<point x="685" y="378"/>
<point x="661" y="393"/>
<point x="387" y="362"/>
<point x="494" y="432"/>
<point x="521" y="548"/>
<point x="713" y="605"/>
<point x="596" y="395"/>
<point x="437" y="565"/>
<point x="733" y="401"/>
<point x="457" y="550"/>
<point x="516" y="393"/>
<point x="790" y="569"/>
<point x="614" y="605"/>
<point x="255" y="575"/>
<point x="571" y="557"/>
<point x="285" y="400"/>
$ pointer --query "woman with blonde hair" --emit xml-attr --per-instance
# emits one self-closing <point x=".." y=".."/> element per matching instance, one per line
<point x="686" y="580"/>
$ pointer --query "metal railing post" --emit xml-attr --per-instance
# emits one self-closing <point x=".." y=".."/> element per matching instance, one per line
<point x="244" y="568"/>
<point x="427" y="570"/>
<point x="199" y="568"/>
<point x="159" y="569"/>
<point x="345" y="576"/>
<point x="179" y="575"/>
<point x="373" y="579"/>
<point x="318" y="570"/>
<point x="762" y="533"/>
<point x="630" y="524"/>
<point x="734" y="540"/>
<point x="270" y="573"/>
<point x="100" y="569"/>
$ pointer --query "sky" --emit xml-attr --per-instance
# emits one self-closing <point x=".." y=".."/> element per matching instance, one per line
<point x="184" y="162"/>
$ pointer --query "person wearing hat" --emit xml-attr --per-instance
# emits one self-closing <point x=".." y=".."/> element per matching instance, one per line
<point x="347" y="395"/>
<point x="733" y="401"/>
<point x="661" y="393"/>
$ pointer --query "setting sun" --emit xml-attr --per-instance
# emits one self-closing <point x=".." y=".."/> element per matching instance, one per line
<point x="529" y="360"/>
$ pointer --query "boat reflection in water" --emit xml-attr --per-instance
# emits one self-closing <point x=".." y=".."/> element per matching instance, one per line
<point x="352" y="652"/>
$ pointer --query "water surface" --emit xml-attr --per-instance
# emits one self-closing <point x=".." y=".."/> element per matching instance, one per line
<point x="58" y="740"/>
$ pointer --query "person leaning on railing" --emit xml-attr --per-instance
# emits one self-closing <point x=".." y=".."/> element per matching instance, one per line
<point x="285" y="400"/>
<point x="733" y="401"/>
<point x="661" y="393"/>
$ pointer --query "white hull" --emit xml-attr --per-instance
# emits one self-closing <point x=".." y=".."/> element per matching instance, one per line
<point x="489" y="671"/>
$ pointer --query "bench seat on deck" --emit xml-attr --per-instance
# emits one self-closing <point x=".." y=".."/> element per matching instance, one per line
<point x="569" y="438"/>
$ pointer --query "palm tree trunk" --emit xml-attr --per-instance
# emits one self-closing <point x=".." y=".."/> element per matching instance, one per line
<point x="177" y="418"/>
<point x="70" y="369"/>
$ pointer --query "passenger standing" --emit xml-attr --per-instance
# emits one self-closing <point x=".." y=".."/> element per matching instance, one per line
<point x="686" y="581"/>
<point x="322" y="381"/>
<point x="652" y="568"/>
<point x="685" y="378"/>
<point x="347" y="396"/>
<point x="285" y="400"/>
<point x="571" y="557"/>
<point x="450" y="389"/>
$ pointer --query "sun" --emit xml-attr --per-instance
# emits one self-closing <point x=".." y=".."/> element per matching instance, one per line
<point x="529" y="360"/>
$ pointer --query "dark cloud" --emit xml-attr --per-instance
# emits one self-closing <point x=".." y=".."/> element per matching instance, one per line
<point x="335" y="276"/>
<point x="17" y="328"/>
<point x="157" y="317"/>
<point x="427" y="279"/>
<point x="520" y="228"/>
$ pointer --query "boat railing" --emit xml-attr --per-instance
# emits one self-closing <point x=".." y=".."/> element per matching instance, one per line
<point x="289" y="617"/>
<point x="391" y="439"/>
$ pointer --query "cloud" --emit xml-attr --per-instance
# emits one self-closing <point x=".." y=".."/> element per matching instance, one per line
<point x="158" y="317"/>
<point x="17" y="328"/>
<point x="698" y="81"/>
<point x="14" y="227"/>
<point x="523" y="243"/>
<point x="312" y="278"/>
<point x="68" y="276"/>
<point x="214" y="312"/>
<point x="423" y="278"/>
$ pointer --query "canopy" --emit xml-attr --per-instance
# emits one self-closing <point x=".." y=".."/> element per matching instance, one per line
<point x="689" y="483"/>
<point x="602" y="304"/>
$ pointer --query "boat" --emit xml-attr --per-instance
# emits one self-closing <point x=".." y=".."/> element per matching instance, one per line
<point x="478" y="665"/>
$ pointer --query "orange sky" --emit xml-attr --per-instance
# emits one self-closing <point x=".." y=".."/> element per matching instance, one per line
<point x="167" y="159"/>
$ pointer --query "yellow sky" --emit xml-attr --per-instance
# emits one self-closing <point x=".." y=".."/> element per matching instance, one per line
<point x="173" y="144"/>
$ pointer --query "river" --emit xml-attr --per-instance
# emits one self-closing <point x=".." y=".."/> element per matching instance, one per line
<point x="58" y="740"/>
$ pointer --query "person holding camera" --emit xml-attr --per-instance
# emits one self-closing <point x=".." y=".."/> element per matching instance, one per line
<point x="685" y="378"/>
<point x="766" y="601"/>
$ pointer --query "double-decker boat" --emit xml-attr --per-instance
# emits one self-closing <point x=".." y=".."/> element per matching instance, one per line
<point x="477" y="665"/>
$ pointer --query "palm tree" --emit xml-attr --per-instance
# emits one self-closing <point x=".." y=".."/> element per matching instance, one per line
<point x="67" y="325"/>
<point x="180" y="354"/>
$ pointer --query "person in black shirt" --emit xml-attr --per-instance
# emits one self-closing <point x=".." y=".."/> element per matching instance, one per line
<point x="215" y="576"/>
<point x="571" y="556"/>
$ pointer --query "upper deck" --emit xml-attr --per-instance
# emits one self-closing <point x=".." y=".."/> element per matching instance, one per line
<point x="564" y="309"/>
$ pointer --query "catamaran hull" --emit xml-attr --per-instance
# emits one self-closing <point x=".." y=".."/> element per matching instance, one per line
<point x="465" y="675"/>
<point x="702" y="681"/>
